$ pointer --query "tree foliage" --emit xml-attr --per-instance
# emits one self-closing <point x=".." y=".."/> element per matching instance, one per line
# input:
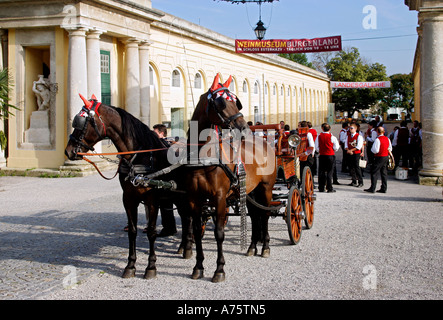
<point x="348" y="65"/>
<point x="5" y="87"/>
<point x="400" y="94"/>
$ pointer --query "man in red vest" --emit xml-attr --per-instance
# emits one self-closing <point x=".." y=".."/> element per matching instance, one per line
<point x="327" y="145"/>
<point x="381" y="148"/>
<point x="353" y="147"/>
<point x="315" y="155"/>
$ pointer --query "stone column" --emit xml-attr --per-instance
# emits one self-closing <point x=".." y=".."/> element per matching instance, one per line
<point x="431" y="95"/>
<point x="94" y="72"/>
<point x="93" y="63"/>
<point x="144" y="83"/>
<point x="77" y="73"/>
<point x="3" y="64"/>
<point x="132" y="60"/>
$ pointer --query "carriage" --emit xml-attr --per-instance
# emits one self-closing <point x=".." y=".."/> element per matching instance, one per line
<point x="297" y="203"/>
<point x="211" y="187"/>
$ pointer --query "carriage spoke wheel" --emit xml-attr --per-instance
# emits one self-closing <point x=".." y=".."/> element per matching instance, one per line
<point x="294" y="215"/>
<point x="307" y="194"/>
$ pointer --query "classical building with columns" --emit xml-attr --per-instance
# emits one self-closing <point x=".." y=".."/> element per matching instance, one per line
<point x="428" y="80"/>
<point x="132" y="56"/>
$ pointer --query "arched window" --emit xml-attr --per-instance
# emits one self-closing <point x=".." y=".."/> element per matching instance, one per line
<point x="198" y="81"/>
<point x="176" y="79"/>
<point x="245" y="87"/>
<point x="256" y="87"/>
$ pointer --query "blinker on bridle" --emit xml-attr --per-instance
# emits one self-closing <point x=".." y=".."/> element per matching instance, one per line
<point x="218" y="91"/>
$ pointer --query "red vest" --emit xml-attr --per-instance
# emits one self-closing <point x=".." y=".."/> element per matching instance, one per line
<point x="384" y="145"/>
<point x="325" y="144"/>
<point x="314" y="133"/>
<point x="352" y="143"/>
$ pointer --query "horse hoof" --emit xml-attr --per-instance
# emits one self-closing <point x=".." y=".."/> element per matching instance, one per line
<point x="197" y="274"/>
<point x="128" y="273"/>
<point x="150" y="274"/>
<point x="266" y="253"/>
<point x="180" y="250"/>
<point x="187" y="254"/>
<point x="251" y="252"/>
<point x="218" y="277"/>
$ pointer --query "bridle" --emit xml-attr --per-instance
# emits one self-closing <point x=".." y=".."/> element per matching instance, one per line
<point x="80" y="122"/>
<point x="216" y="100"/>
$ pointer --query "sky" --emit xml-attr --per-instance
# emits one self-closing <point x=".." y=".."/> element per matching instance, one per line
<point x="388" y="21"/>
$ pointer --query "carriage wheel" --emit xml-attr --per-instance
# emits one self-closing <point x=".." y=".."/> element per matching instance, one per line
<point x="307" y="194"/>
<point x="294" y="215"/>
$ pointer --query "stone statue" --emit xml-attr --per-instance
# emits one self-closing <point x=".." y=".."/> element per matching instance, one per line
<point x="42" y="91"/>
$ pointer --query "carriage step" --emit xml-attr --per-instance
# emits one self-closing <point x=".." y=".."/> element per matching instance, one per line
<point x="280" y="196"/>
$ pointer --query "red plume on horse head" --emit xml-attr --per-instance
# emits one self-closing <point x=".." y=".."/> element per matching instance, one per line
<point x="88" y="104"/>
<point x="216" y="84"/>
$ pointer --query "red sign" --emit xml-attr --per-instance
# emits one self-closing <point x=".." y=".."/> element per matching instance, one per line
<point x="360" y="85"/>
<point x="288" y="46"/>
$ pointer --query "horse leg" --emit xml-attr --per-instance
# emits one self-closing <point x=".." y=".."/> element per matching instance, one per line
<point x="152" y="213"/>
<point x="131" y="212"/>
<point x="197" y="273"/>
<point x="185" y="247"/>
<point x="264" y="219"/>
<point x="265" y="193"/>
<point x="219" y="233"/>
<point x="256" y="232"/>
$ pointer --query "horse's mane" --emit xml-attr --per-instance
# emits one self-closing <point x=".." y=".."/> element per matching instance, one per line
<point x="143" y="137"/>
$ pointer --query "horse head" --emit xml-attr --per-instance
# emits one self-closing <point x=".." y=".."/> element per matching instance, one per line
<point x="223" y="107"/>
<point x="86" y="131"/>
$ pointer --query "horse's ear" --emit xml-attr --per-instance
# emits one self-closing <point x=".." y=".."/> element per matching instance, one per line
<point x="228" y="82"/>
<point x="239" y="105"/>
<point x="215" y="83"/>
<point x="93" y="97"/>
<point x="88" y="104"/>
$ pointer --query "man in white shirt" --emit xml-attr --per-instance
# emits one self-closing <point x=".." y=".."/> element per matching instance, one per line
<point x="327" y="145"/>
<point x="353" y="147"/>
<point x="342" y="138"/>
<point x="309" y="152"/>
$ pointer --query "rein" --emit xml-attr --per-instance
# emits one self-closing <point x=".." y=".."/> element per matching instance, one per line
<point x="112" y="154"/>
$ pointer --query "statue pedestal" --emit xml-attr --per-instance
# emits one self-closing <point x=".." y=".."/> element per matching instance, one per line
<point x="38" y="133"/>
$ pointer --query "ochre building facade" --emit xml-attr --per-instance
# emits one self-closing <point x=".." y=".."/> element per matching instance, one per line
<point x="132" y="56"/>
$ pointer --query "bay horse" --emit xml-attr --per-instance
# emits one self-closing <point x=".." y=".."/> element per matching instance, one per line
<point x="212" y="184"/>
<point x="97" y="121"/>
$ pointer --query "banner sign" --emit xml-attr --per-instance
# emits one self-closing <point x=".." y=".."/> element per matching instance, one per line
<point x="360" y="85"/>
<point x="288" y="46"/>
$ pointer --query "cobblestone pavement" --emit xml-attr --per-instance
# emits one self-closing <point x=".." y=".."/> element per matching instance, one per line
<point x="62" y="239"/>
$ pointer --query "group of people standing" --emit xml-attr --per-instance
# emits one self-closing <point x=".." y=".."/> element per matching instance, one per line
<point x="353" y="143"/>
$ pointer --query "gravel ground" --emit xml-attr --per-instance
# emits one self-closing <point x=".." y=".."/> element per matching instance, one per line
<point x="62" y="239"/>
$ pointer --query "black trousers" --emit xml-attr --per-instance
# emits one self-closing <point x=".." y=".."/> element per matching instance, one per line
<point x="380" y="164"/>
<point x="355" y="168"/>
<point x="309" y="162"/>
<point x="326" y="165"/>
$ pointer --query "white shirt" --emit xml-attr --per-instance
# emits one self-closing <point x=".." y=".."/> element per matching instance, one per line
<point x="372" y="136"/>
<point x="376" y="146"/>
<point x="343" y="135"/>
<point x="311" y="141"/>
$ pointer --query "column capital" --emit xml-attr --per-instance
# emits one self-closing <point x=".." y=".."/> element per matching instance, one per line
<point x="130" y="41"/>
<point x="76" y="30"/>
<point x="95" y="33"/>
<point x="145" y="44"/>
